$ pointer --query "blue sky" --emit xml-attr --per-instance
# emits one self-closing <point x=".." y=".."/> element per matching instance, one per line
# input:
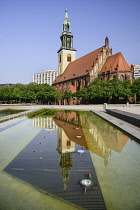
<point x="30" y="32"/>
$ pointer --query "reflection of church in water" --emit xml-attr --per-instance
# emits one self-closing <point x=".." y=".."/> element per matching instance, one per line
<point x="102" y="138"/>
<point x="98" y="137"/>
<point x="67" y="131"/>
<point x="58" y="170"/>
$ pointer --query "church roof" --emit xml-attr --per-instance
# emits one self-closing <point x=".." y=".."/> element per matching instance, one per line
<point x="115" y="62"/>
<point x="79" y="67"/>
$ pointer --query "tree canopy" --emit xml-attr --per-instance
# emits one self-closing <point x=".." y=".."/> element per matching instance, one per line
<point x="136" y="88"/>
<point x="105" y="90"/>
<point x="99" y="91"/>
<point x="32" y="92"/>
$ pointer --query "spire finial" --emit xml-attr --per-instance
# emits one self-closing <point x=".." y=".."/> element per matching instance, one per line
<point x="66" y="14"/>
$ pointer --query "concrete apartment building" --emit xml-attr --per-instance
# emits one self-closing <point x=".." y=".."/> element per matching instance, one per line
<point x="136" y="71"/>
<point x="45" y="78"/>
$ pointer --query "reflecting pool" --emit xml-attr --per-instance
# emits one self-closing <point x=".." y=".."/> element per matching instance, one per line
<point x="72" y="160"/>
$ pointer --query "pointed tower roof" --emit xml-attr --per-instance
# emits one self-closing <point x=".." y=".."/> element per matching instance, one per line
<point x="66" y="24"/>
<point x="116" y="62"/>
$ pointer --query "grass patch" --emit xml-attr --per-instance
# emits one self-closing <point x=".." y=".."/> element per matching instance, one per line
<point x="10" y="111"/>
<point x="43" y="113"/>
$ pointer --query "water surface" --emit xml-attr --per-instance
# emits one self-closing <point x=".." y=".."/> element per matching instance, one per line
<point x="42" y="156"/>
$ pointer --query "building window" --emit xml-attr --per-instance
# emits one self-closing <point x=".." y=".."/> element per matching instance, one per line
<point x="122" y="78"/>
<point x="60" y="59"/>
<point x="69" y="58"/>
<point x="68" y="144"/>
<point x="68" y="43"/>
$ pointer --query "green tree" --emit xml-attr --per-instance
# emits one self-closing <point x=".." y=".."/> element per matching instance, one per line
<point x="47" y="94"/>
<point x="31" y="92"/>
<point x="136" y="89"/>
<point x="126" y="90"/>
<point x="17" y="92"/>
<point x="1" y="93"/>
<point x="81" y="93"/>
<point x="5" y="93"/>
<point x="99" y="89"/>
<point x="67" y="95"/>
<point x="115" y="89"/>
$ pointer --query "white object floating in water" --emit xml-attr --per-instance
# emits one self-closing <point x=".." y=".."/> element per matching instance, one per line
<point x="78" y="137"/>
<point x="81" y="151"/>
<point x="86" y="182"/>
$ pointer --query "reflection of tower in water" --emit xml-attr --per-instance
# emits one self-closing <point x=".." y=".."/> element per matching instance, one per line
<point x="65" y="147"/>
<point x="66" y="164"/>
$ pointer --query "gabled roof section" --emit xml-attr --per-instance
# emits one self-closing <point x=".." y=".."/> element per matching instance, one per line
<point x="79" y="67"/>
<point x="115" y="63"/>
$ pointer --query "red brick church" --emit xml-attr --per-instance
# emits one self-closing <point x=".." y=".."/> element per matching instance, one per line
<point x="75" y="74"/>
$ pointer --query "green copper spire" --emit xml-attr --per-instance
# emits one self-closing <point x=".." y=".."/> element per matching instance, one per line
<point x="66" y="39"/>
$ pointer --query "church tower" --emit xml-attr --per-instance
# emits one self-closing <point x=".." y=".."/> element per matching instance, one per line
<point x="66" y="53"/>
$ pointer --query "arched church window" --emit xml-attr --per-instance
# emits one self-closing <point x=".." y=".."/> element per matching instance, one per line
<point x="69" y="58"/>
<point x="60" y="58"/>
<point x="122" y="78"/>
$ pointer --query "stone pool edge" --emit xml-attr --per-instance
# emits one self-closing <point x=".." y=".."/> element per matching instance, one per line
<point x="126" y="127"/>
